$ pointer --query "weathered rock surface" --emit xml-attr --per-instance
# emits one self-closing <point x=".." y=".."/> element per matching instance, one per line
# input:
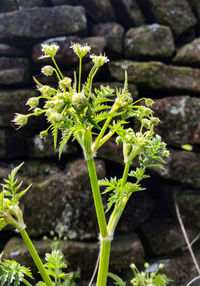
<point x="189" y="54"/>
<point x="11" y="102"/>
<point x="23" y="4"/>
<point x="61" y="199"/>
<point x="128" y="13"/>
<point x="45" y="148"/>
<point x="82" y="255"/>
<point x="7" y="50"/>
<point x="181" y="112"/>
<point x="14" y="70"/>
<point x="157" y="75"/>
<point x="164" y="235"/>
<point x="175" y="14"/>
<point x="42" y="22"/>
<point x="188" y="201"/>
<point x="65" y="56"/>
<point x="183" y="167"/>
<point x="195" y="4"/>
<point x="145" y="41"/>
<point x="99" y="10"/>
<point x="8" y="5"/>
<point x="111" y="151"/>
<point x="113" y="33"/>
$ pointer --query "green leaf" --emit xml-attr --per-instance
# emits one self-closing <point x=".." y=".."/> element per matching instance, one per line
<point x="1" y="203"/>
<point x="161" y="280"/>
<point x="3" y="223"/>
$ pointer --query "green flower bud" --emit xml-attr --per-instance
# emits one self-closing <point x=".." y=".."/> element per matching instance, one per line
<point x="55" y="117"/>
<point x="165" y="153"/>
<point x="79" y="101"/>
<point x="79" y="50"/>
<point x="47" y="70"/>
<point x="146" y="265"/>
<point x="43" y="134"/>
<point x="149" y="101"/>
<point x="155" y="120"/>
<point x="37" y="111"/>
<point x="118" y="140"/>
<point x="59" y="103"/>
<point x="161" y="266"/>
<point x="146" y="123"/>
<point x="46" y="90"/>
<point x="33" y="102"/>
<point x="65" y="83"/>
<point x="49" y="104"/>
<point x="20" y="119"/>
<point x="49" y="50"/>
<point x="99" y="60"/>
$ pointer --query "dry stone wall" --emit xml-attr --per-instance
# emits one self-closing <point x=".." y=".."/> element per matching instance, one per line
<point x="158" y="43"/>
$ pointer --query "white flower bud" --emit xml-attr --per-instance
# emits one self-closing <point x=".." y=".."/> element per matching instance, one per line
<point x="79" y="101"/>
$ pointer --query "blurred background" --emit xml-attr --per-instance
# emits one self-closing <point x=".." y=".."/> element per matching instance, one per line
<point x="158" y="43"/>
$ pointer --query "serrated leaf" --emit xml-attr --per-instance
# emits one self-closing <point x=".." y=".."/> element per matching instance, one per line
<point x="1" y="203"/>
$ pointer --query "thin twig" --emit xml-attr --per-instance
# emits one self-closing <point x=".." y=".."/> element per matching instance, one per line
<point x="185" y="235"/>
<point x="95" y="269"/>
<point x="193" y="241"/>
<point x="194" y="279"/>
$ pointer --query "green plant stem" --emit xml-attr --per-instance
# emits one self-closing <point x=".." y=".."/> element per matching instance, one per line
<point x="36" y="257"/>
<point x="97" y="198"/>
<point x="116" y="214"/>
<point x="57" y="67"/>
<point x="104" y="262"/>
<point x="103" y="130"/>
<point x="79" y="75"/>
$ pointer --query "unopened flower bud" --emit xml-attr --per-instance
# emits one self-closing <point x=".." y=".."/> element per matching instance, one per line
<point x="37" y="111"/>
<point x="47" y="70"/>
<point x="43" y="134"/>
<point x="46" y="90"/>
<point x="146" y="265"/>
<point x="55" y="117"/>
<point x="118" y="140"/>
<point x="20" y="119"/>
<point x="33" y="102"/>
<point x="65" y="83"/>
<point x="155" y="120"/>
<point x="146" y="123"/>
<point x="165" y="153"/>
<point x="161" y="266"/>
<point x="149" y="101"/>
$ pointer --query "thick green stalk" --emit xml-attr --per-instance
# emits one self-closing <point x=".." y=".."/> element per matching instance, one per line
<point x="36" y="258"/>
<point x="104" y="262"/>
<point x="97" y="198"/>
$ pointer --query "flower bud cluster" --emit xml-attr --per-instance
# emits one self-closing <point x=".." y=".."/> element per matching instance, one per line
<point x="80" y="50"/>
<point x="99" y="60"/>
<point x="47" y="70"/>
<point x="49" y="50"/>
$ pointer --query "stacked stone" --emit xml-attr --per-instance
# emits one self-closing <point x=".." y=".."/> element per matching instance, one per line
<point x="158" y="43"/>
